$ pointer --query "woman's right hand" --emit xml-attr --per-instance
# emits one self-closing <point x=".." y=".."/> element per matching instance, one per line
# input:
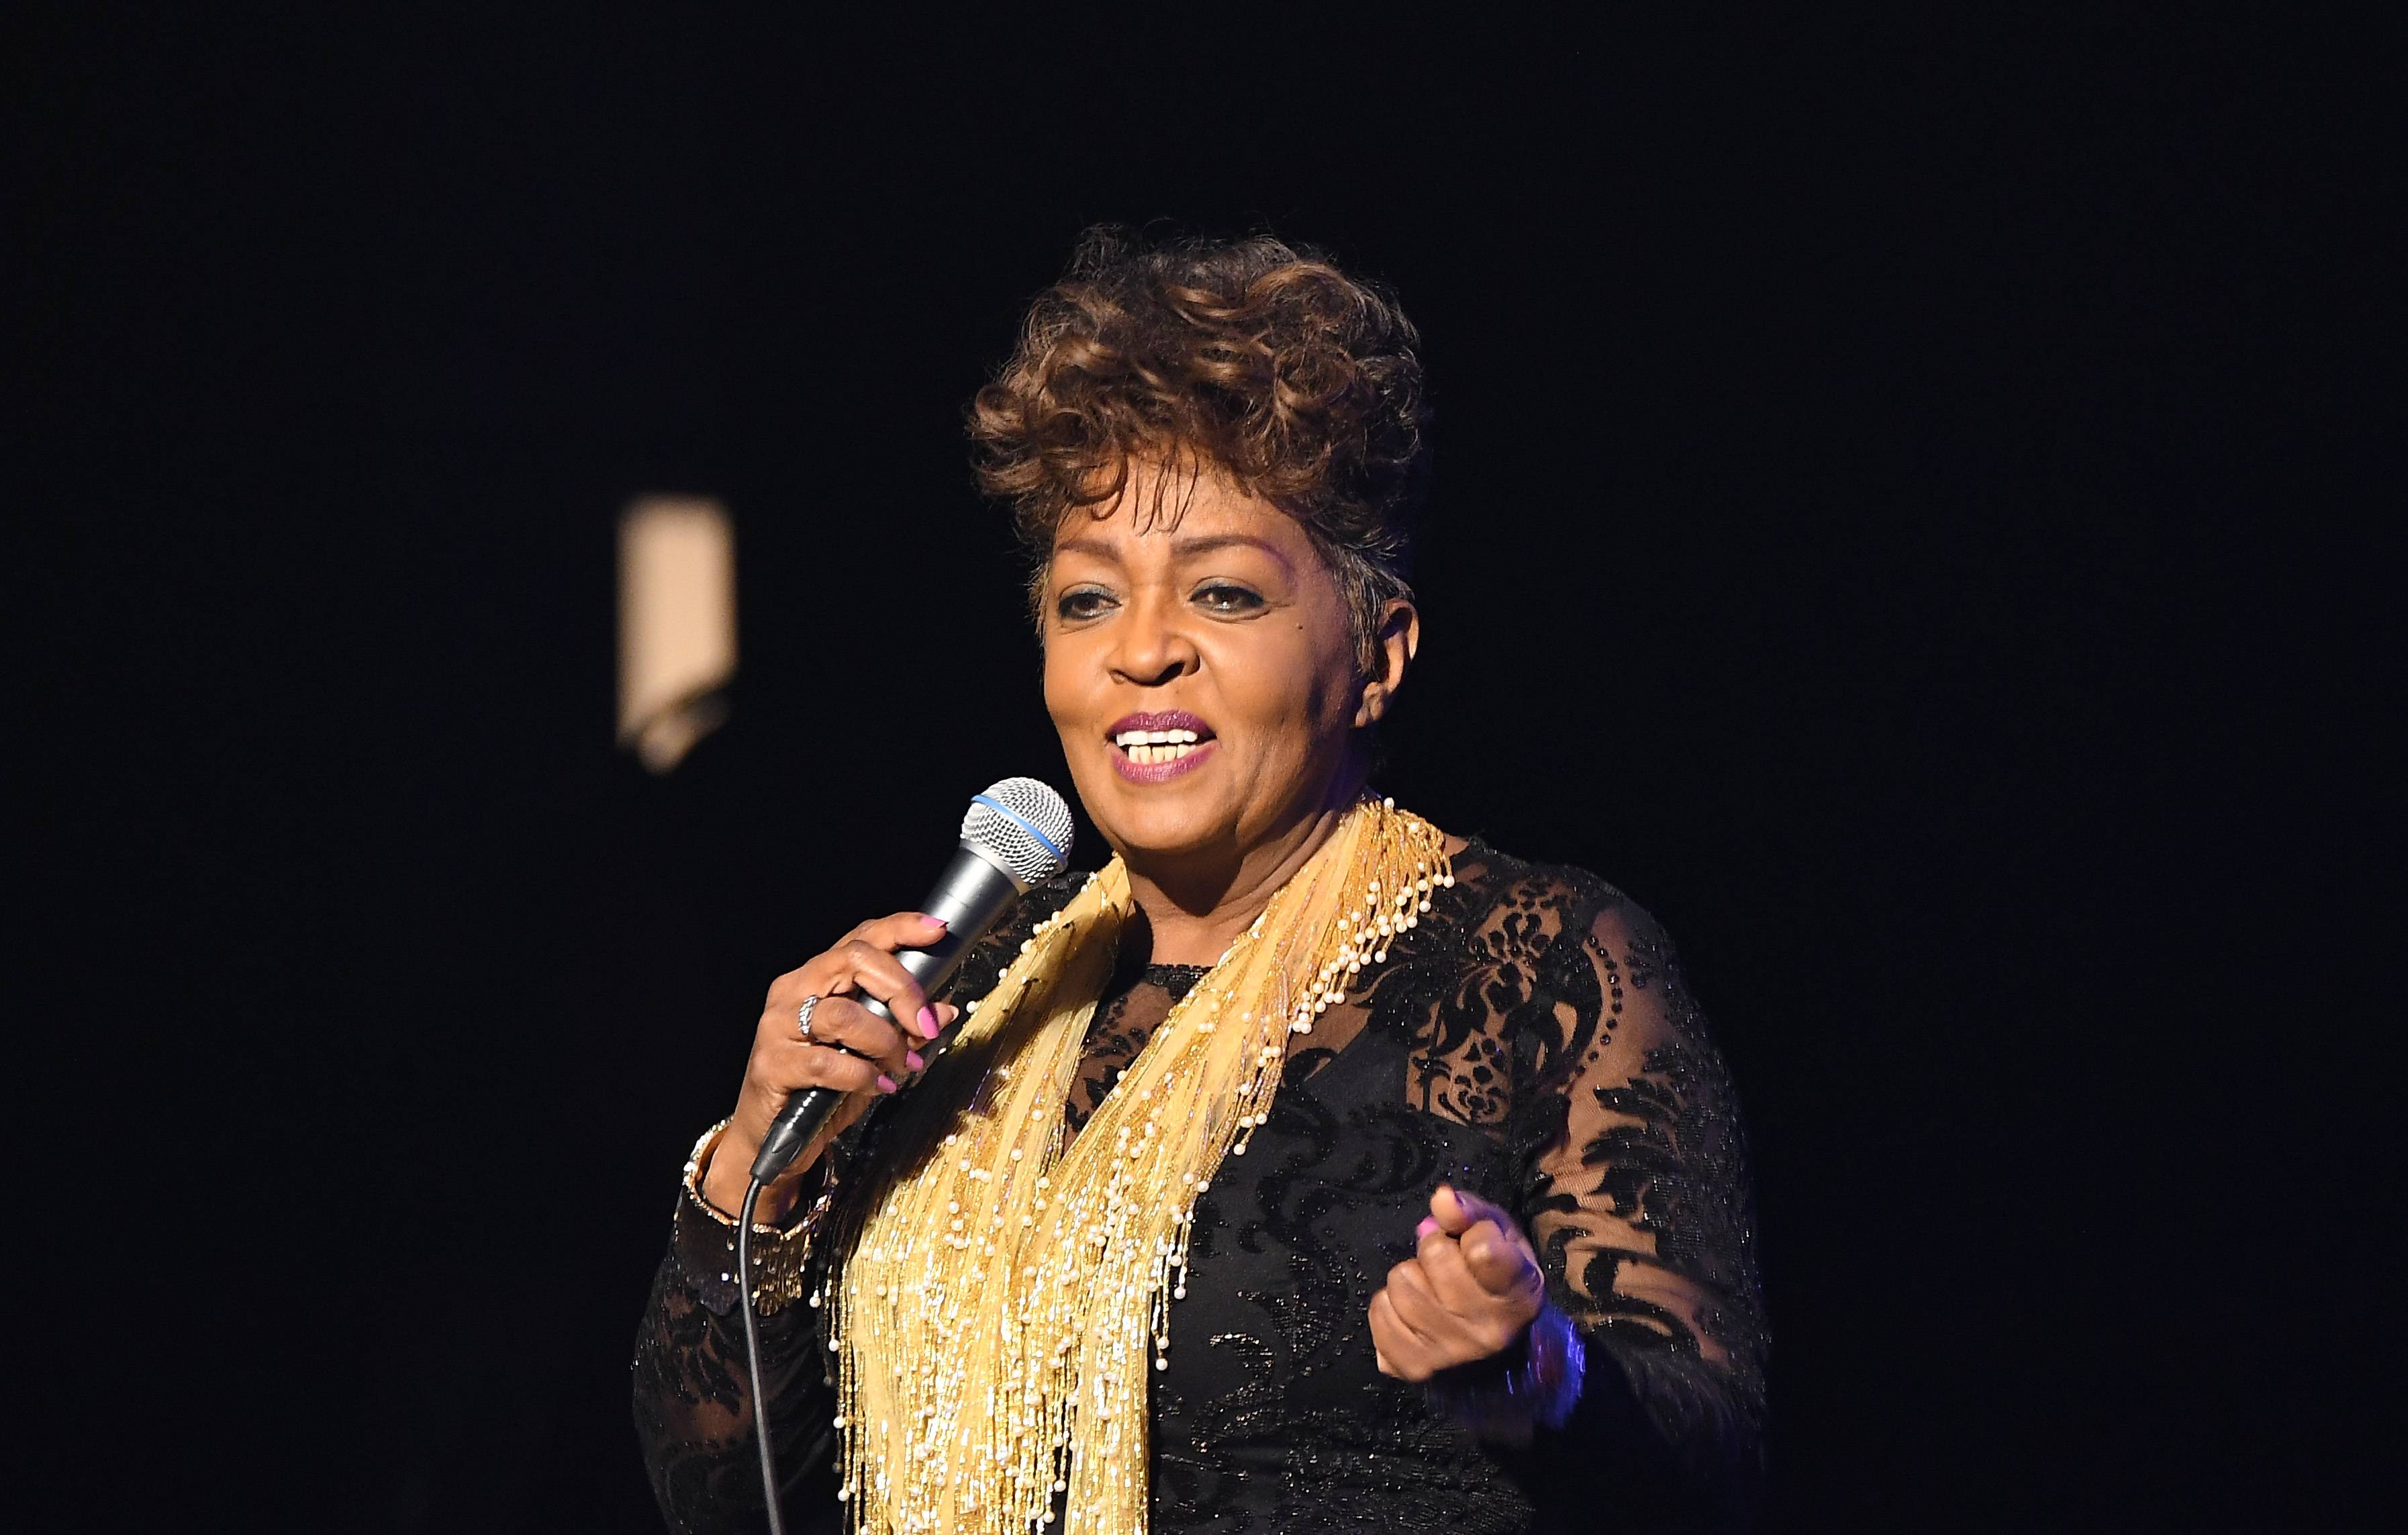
<point x="874" y="1058"/>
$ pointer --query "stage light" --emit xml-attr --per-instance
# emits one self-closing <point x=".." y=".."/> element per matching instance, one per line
<point x="677" y="625"/>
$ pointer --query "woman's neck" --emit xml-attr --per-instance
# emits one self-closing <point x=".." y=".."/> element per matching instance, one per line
<point x="1196" y="908"/>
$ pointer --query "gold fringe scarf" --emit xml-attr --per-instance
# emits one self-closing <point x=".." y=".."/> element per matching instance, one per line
<point x="1002" y="1302"/>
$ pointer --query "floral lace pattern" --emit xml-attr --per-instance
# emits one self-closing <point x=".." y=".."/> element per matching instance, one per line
<point x="1533" y="1042"/>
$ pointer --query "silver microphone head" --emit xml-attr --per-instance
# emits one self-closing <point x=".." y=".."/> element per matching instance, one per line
<point x="1022" y="825"/>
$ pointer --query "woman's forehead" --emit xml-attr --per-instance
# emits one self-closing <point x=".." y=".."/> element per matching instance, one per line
<point x="1158" y="516"/>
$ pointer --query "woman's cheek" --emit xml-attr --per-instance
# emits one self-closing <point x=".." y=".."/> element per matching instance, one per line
<point x="1062" y="695"/>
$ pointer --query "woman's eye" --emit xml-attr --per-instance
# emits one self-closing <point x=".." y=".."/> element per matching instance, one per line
<point x="1221" y="598"/>
<point x="1081" y="602"/>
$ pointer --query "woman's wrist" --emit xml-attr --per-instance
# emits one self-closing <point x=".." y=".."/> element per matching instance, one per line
<point x="1534" y="1381"/>
<point x="720" y="1170"/>
<point x="718" y="1152"/>
<point x="705" y="1239"/>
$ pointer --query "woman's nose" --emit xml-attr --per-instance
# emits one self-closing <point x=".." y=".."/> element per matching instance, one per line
<point x="1150" y="647"/>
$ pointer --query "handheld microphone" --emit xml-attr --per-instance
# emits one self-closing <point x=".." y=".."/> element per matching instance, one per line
<point x="1015" y="835"/>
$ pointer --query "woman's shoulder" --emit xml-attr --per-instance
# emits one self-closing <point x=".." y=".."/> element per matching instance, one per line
<point x="1535" y="938"/>
<point x="1523" y="903"/>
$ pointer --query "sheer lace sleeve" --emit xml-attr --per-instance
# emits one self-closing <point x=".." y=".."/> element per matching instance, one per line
<point x="1573" y="1033"/>
<point x="692" y="1393"/>
<point x="1642" y="1206"/>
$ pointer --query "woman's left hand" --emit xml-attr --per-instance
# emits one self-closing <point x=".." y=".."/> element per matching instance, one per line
<point x="1466" y="1293"/>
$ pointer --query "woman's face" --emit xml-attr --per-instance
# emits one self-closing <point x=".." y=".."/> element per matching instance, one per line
<point x="1200" y="670"/>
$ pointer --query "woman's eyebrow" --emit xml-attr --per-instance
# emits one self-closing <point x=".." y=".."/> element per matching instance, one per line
<point x="1207" y="543"/>
<point x="1180" y="548"/>
<point x="1093" y="548"/>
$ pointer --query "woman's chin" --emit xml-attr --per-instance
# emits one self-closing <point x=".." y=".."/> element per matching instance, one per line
<point x="1149" y="825"/>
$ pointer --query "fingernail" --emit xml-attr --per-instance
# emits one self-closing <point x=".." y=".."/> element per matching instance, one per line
<point x="934" y="922"/>
<point x="1427" y="1227"/>
<point x="912" y="1058"/>
<point x="885" y="1082"/>
<point x="928" y="1023"/>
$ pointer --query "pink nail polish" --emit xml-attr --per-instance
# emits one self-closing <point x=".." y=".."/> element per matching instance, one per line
<point x="912" y="1058"/>
<point x="1427" y="1227"/>
<point x="928" y="1023"/>
<point x="934" y="922"/>
<point x="885" y="1082"/>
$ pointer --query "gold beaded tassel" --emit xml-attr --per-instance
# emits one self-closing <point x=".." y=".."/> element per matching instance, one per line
<point x="911" y="1289"/>
<point x="1000" y="1323"/>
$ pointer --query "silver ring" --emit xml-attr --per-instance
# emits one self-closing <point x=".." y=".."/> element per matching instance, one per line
<point x="803" y="1016"/>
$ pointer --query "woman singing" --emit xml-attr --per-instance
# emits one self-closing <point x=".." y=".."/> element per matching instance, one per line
<point x="1308" y="1168"/>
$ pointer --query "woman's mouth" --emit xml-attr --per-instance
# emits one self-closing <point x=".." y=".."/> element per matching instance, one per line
<point x="1149" y="748"/>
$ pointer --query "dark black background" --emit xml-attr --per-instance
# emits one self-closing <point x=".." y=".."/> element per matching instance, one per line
<point x="1897" y="516"/>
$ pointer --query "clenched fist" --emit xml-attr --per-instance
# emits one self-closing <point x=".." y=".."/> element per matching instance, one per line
<point x="1468" y="1293"/>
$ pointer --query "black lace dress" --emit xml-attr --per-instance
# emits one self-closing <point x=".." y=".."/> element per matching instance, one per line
<point x="1531" y="1040"/>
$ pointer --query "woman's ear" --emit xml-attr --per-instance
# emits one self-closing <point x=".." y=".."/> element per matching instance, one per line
<point x="1393" y="645"/>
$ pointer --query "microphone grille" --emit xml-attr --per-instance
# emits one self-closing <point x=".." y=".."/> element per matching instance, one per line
<point x="1023" y="825"/>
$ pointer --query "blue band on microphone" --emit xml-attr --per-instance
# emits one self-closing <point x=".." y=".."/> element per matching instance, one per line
<point x="1003" y="810"/>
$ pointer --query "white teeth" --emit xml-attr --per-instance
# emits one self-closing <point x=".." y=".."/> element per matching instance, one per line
<point x="1129" y="740"/>
<point x="1147" y="752"/>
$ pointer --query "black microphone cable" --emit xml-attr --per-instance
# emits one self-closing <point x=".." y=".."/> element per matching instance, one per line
<point x="752" y="1356"/>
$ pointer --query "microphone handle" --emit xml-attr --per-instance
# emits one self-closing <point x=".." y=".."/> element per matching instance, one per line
<point x="970" y="894"/>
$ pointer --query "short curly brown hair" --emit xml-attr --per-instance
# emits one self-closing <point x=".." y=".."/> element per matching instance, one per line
<point x="1254" y="358"/>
